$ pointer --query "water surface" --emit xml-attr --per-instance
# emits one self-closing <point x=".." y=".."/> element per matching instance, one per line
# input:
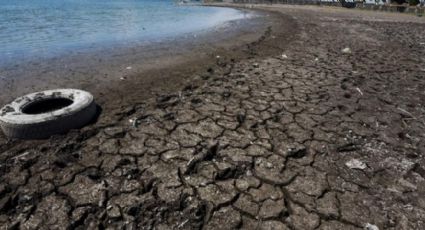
<point x="42" y="28"/>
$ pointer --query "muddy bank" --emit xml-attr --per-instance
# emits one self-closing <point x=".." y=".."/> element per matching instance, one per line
<point x="111" y="74"/>
<point x="303" y="137"/>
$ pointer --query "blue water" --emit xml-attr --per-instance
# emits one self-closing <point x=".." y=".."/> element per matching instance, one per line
<point x="44" y="27"/>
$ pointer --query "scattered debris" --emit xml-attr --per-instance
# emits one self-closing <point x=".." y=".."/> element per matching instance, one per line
<point x="182" y="224"/>
<point x="355" y="164"/>
<point x="21" y="156"/>
<point x="371" y="227"/>
<point x="346" y="50"/>
<point x="296" y="151"/>
<point x="134" y="122"/>
<point x="406" y="112"/>
<point x="269" y="165"/>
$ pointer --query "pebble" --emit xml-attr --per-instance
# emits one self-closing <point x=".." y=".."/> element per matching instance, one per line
<point x="269" y="165"/>
<point x="355" y="164"/>
<point x="371" y="227"/>
<point x="346" y="50"/>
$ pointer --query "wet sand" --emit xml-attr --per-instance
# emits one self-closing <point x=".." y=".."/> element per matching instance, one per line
<point x="284" y="132"/>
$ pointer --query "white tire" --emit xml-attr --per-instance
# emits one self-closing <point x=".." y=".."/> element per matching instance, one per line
<point x="42" y="114"/>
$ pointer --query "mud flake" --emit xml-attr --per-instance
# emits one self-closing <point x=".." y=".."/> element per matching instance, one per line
<point x="224" y="218"/>
<point x="246" y="204"/>
<point x="328" y="205"/>
<point x="272" y="208"/>
<point x="301" y="219"/>
<point x="84" y="191"/>
<point x="217" y="195"/>
<point x="312" y="183"/>
<point x="51" y="213"/>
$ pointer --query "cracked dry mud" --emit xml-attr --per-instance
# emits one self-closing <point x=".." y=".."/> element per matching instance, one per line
<point x="314" y="140"/>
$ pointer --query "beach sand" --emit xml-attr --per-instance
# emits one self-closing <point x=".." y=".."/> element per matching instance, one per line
<point x="282" y="131"/>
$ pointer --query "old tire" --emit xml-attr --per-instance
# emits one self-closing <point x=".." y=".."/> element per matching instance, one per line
<point x="42" y="114"/>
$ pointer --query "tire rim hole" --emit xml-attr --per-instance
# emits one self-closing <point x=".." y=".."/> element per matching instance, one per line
<point x="46" y="105"/>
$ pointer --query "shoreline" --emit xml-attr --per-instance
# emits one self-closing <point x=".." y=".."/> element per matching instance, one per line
<point x="118" y="69"/>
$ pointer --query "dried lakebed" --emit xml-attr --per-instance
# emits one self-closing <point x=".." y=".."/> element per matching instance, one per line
<point x="314" y="139"/>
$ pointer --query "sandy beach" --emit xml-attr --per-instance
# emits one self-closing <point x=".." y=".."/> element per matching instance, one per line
<point x="307" y="118"/>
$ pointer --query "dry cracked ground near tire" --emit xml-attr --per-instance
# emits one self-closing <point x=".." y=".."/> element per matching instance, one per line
<point x="315" y="139"/>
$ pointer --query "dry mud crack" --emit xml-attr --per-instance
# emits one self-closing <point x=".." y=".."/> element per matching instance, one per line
<point x="315" y="139"/>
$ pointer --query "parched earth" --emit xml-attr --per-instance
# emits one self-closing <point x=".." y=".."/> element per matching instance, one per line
<point x="311" y="138"/>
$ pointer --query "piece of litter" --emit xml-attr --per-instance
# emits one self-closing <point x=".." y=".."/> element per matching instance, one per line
<point x="284" y="56"/>
<point x="346" y="50"/>
<point x="182" y="224"/>
<point x="218" y="56"/>
<point x="269" y="165"/>
<point x="355" y="164"/>
<point x="129" y="67"/>
<point x="21" y="156"/>
<point x="371" y="227"/>
<point x="316" y="59"/>
<point x="190" y="161"/>
<point x="406" y="112"/>
<point x="135" y="123"/>
<point x="122" y="78"/>
<point x="360" y="91"/>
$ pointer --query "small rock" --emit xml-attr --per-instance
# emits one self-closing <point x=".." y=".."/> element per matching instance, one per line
<point x="355" y="164"/>
<point x="346" y="50"/>
<point x="240" y="118"/>
<point x="5" y="202"/>
<point x="371" y="227"/>
<point x="114" y="131"/>
<point x="113" y="212"/>
<point x="242" y="184"/>
<point x="296" y="151"/>
<point x="269" y="165"/>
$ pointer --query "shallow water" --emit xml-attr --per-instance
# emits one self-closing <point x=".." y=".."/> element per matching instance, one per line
<point x="42" y="28"/>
